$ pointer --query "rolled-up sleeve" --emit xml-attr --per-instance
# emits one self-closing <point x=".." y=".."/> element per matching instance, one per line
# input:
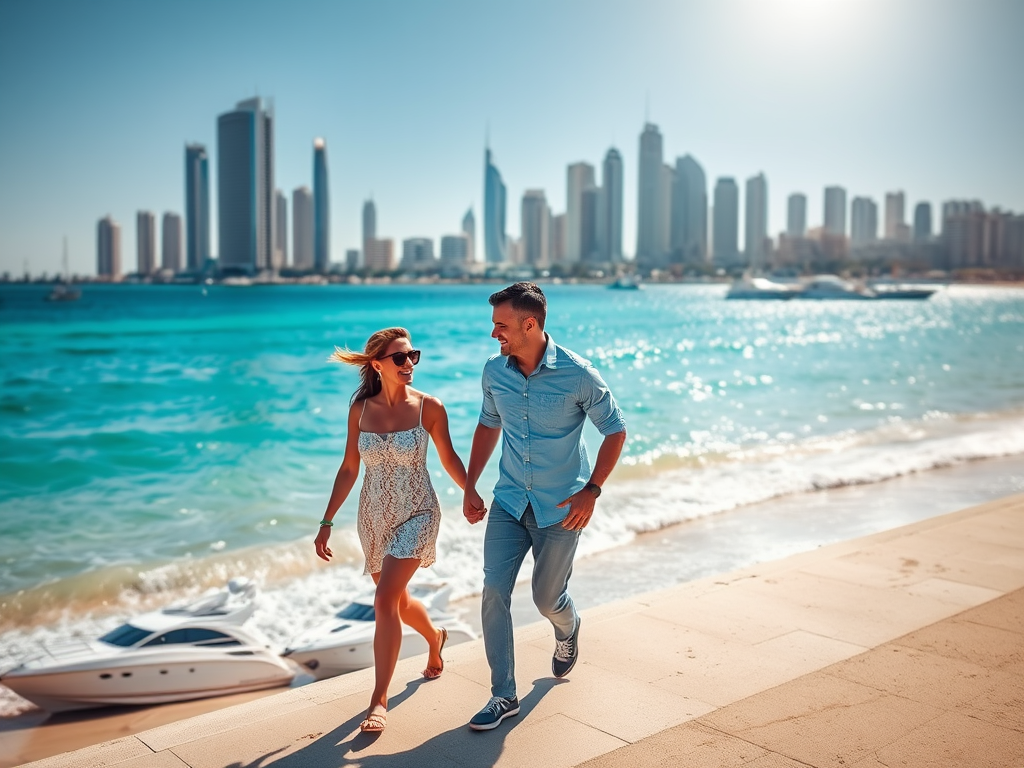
<point x="488" y="412"/>
<point x="598" y="402"/>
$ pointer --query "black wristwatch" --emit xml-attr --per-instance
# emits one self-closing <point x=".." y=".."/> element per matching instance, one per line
<point x="594" y="488"/>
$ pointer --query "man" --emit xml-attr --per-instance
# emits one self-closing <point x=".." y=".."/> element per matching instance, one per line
<point x="536" y="396"/>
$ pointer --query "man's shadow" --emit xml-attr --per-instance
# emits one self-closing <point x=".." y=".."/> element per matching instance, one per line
<point x="472" y="747"/>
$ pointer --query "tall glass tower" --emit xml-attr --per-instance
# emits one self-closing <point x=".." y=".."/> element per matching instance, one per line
<point x="197" y="207"/>
<point x="649" y="224"/>
<point x="689" y="240"/>
<point x="469" y="229"/>
<point x="245" y="188"/>
<point x="322" y="207"/>
<point x="495" y="243"/>
<point x="726" y="222"/>
<point x="611" y="216"/>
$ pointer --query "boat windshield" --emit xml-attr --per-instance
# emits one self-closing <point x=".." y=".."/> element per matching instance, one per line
<point x="192" y="636"/>
<point x="356" y="612"/>
<point x="126" y="635"/>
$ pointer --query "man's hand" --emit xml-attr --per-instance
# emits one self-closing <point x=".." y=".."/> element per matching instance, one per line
<point x="322" y="550"/>
<point x="581" y="509"/>
<point x="473" y="506"/>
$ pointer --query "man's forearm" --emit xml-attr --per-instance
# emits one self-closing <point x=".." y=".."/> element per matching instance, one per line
<point x="485" y="440"/>
<point x="607" y="457"/>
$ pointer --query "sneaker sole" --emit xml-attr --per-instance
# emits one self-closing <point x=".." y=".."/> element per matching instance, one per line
<point x="496" y="723"/>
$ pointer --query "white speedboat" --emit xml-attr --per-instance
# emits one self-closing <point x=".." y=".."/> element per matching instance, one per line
<point x="345" y="643"/>
<point x="833" y="287"/>
<point x="761" y="288"/>
<point x="625" y="283"/>
<point x="189" y="651"/>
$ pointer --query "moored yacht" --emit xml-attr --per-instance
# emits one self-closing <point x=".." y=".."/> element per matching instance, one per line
<point x="761" y="288"/>
<point x="190" y="651"/>
<point x="345" y="642"/>
<point x="833" y="287"/>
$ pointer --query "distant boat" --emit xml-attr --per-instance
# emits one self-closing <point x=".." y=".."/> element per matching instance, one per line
<point x="761" y="288"/>
<point x="625" y="283"/>
<point x="901" y="291"/>
<point x="833" y="287"/>
<point x="63" y="292"/>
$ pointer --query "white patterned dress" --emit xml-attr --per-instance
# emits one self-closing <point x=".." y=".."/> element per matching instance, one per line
<point x="399" y="513"/>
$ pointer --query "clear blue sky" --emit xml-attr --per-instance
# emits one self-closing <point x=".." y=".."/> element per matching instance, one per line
<point x="97" y="100"/>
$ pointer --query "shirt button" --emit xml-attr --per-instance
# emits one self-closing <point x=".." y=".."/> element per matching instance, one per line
<point x="524" y="436"/>
<point x="524" y="417"/>
<point x="526" y="394"/>
<point x="529" y="487"/>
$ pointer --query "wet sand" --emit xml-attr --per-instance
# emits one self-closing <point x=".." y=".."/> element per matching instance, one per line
<point x="685" y="552"/>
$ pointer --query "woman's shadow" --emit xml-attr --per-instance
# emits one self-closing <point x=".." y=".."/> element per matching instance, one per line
<point x="459" y="746"/>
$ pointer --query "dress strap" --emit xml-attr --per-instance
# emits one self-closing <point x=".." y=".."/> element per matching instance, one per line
<point x="421" y="410"/>
<point x="361" y="412"/>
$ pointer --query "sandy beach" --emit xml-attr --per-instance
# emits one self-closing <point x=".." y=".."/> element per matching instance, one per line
<point x="657" y="560"/>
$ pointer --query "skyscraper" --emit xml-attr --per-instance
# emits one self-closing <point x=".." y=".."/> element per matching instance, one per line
<point x="197" y="207"/>
<point x="369" y="223"/>
<point x="379" y="255"/>
<point x="579" y="177"/>
<point x="535" y="223"/>
<point x="455" y="250"/>
<point x="145" y="242"/>
<point x="649" y="224"/>
<point x="245" y="188"/>
<point x="322" y="207"/>
<point x="757" y="244"/>
<point x="108" y="248"/>
<point x="469" y="230"/>
<point x="796" y="215"/>
<point x="895" y="215"/>
<point x="495" y="245"/>
<point x="171" y="242"/>
<point x="418" y="254"/>
<point x="280" y="229"/>
<point x="689" y="243"/>
<point x="835" y="211"/>
<point x="863" y="221"/>
<point x="610" y="236"/>
<point x="922" y="221"/>
<point x="726" y="222"/>
<point x="556" y="248"/>
<point x="302" y="228"/>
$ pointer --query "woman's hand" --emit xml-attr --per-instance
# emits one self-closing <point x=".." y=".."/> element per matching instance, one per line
<point x="322" y="550"/>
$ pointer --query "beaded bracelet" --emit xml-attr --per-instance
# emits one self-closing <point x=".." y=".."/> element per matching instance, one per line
<point x="328" y="523"/>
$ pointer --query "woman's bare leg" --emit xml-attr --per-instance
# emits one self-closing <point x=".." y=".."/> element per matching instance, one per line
<point x="392" y="581"/>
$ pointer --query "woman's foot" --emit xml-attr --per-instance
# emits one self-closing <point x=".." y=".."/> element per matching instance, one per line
<point x="435" y="663"/>
<point x="376" y="719"/>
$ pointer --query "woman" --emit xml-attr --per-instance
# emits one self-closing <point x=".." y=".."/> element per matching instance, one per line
<point x="388" y="426"/>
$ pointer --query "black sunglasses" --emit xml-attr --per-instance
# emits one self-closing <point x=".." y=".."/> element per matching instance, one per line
<point x="399" y="357"/>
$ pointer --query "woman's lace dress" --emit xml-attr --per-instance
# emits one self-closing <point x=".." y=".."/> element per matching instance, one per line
<point x="398" y="510"/>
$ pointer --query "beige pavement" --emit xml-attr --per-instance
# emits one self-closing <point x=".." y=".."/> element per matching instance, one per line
<point x="904" y="648"/>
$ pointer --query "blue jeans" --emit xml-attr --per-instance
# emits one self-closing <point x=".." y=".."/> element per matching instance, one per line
<point x="506" y="543"/>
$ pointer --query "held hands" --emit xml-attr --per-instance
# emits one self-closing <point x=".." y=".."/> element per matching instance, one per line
<point x="322" y="550"/>
<point x="473" y="506"/>
<point x="581" y="509"/>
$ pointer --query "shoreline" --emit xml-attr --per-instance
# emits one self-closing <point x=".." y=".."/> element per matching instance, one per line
<point x="654" y="556"/>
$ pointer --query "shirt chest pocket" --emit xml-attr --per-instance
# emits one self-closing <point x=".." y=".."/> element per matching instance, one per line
<point x="561" y="410"/>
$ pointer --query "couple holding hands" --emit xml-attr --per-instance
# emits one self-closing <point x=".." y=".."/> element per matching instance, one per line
<point x="536" y="395"/>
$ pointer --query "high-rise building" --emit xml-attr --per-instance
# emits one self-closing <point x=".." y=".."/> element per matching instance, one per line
<point x="352" y="259"/>
<point x="556" y="250"/>
<point x="895" y="218"/>
<point x="145" y="242"/>
<point x="369" y="222"/>
<point x="171" y="243"/>
<point x="321" y="208"/>
<point x="610" y="236"/>
<point x="495" y="241"/>
<point x="469" y="230"/>
<point x="535" y="223"/>
<point x="418" y="254"/>
<point x="455" y="250"/>
<point x="689" y="243"/>
<point x="863" y="221"/>
<point x="197" y="207"/>
<point x="756" y="243"/>
<point x="590" y="224"/>
<point x="108" y="248"/>
<point x="726" y="222"/>
<point x="302" y="228"/>
<point x="835" y="211"/>
<point x="379" y="255"/>
<point x="245" y="188"/>
<point x="579" y="177"/>
<point x="651" y="180"/>
<point x="668" y="183"/>
<point x="280" y="229"/>
<point x="922" y="221"/>
<point x="796" y="215"/>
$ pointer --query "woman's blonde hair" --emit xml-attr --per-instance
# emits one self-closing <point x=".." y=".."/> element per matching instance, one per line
<point x="369" y="379"/>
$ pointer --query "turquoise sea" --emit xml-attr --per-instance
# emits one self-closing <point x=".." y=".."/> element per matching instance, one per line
<point x="156" y="440"/>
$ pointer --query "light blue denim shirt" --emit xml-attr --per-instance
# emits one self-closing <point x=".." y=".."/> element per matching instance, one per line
<point x="543" y="458"/>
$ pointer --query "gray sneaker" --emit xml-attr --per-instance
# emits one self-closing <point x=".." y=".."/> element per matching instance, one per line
<point x="497" y="709"/>
<point x="566" y="653"/>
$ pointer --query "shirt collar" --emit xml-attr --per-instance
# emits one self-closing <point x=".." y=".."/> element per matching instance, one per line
<point x="549" y="360"/>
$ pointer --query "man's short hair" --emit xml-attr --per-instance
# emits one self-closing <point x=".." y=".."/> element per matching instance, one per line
<point x="527" y="299"/>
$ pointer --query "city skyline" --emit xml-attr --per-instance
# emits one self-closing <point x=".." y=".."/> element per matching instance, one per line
<point x="760" y="109"/>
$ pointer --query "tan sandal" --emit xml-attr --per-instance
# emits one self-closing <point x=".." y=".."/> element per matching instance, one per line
<point x="375" y="722"/>
<point x="432" y="673"/>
